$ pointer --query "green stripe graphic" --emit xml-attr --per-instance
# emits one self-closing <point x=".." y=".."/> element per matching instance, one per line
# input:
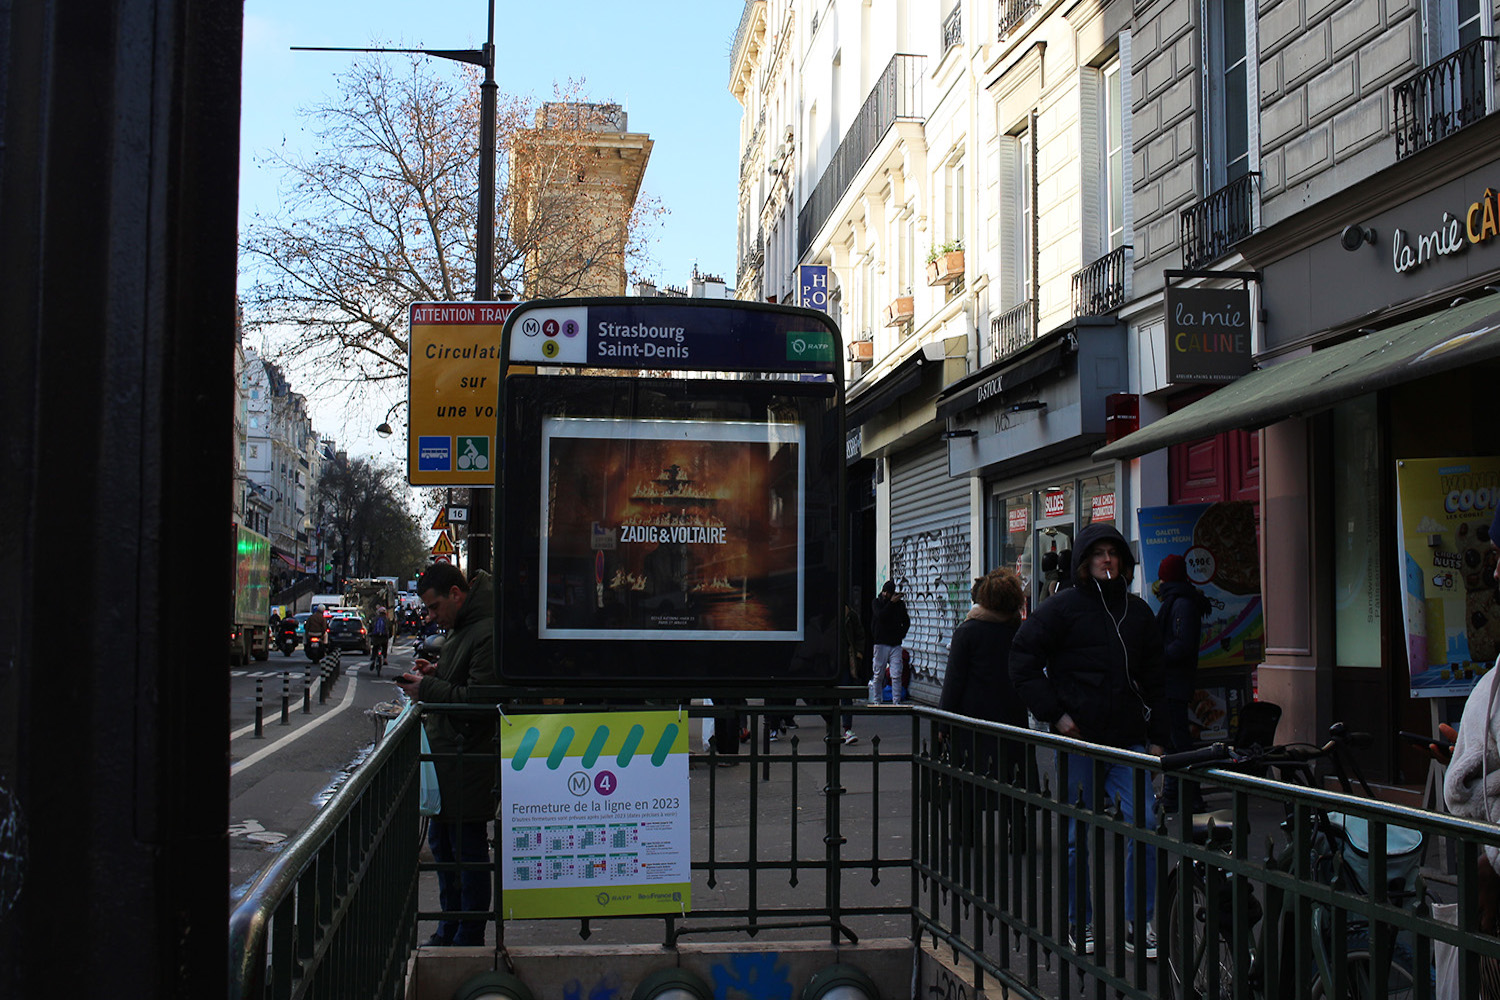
<point x="528" y="744"/>
<point x="560" y="748"/>
<point x="590" y="741"/>
<point x="664" y="745"/>
<point x="596" y="746"/>
<point x="632" y="741"/>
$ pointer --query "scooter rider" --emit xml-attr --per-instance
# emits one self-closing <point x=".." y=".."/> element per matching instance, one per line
<point x="316" y="624"/>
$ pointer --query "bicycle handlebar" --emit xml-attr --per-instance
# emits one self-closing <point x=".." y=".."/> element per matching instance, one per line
<point x="1203" y="755"/>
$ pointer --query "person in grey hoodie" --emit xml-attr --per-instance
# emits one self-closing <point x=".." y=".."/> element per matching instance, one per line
<point x="1089" y="661"/>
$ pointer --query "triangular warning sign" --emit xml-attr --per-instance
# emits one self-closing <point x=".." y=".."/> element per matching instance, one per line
<point x="441" y="524"/>
<point x="443" y="546"/>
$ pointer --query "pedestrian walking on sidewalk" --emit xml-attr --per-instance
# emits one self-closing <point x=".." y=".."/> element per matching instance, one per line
<point x="1089" y="661"/>
<point x="889" y="623"/>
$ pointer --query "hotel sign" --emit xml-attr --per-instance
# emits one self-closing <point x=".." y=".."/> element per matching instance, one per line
<point x="1208" y="334"/>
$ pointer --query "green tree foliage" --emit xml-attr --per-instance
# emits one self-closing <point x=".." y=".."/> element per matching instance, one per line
<point x="366" y="505"/>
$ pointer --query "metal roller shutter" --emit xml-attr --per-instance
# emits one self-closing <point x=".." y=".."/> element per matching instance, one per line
<point x="930" y="546"/>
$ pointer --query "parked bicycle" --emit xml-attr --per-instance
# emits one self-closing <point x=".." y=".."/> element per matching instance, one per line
<point x="1198" y="922"/>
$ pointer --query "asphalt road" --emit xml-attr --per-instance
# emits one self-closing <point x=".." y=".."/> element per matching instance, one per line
<point x="278" y="783"/>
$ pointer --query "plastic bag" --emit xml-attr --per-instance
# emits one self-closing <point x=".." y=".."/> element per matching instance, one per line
<point x="1445" y="955"/>
<point x="430" y="801"/>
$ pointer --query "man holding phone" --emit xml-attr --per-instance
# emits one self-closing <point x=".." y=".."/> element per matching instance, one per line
<point x="460" y="832"/>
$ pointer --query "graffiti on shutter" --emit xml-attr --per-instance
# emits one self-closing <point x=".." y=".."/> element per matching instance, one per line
<point x="932" y="569"/>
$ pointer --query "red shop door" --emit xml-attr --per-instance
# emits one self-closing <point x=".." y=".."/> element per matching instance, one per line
<point x="1223" y="467"/>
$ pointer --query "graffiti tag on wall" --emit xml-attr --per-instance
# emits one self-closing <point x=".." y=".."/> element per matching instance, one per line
<point x="932" y="569"/>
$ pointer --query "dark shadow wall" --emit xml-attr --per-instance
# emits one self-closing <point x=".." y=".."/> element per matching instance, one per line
<point x="118" y="177"/>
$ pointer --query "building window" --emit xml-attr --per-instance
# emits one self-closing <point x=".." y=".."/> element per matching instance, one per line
<point x="1020" y="204"/>
<point x="953" y="201"/>
<point x="1227" y="83"/>
<point x="1112" y="148"/>
<point x="255" y="451"/>
<point x="254" y="423"/>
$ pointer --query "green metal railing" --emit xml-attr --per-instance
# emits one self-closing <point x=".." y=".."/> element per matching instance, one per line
<point x="335" y="914"/>
<point x="803" y="837"/>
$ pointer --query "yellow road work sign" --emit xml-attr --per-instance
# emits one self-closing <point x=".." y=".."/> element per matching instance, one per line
<point x="455" y="381"/>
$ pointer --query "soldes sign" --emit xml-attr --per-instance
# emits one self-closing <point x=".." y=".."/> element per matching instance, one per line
<point x="1208" y="334"/>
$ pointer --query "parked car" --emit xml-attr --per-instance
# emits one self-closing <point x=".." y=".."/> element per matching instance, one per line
<point x="348" y="631"/>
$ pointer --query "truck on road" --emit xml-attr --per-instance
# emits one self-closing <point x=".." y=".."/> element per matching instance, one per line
<point x="370" y="594"/>
<point x="250" y="603"/>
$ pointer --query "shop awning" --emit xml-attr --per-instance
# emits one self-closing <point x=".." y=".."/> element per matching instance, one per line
<point x="1462" y="335"/>
<point x="288" y="560"/>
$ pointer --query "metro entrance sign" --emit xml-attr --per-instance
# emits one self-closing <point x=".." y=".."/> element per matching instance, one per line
<point x="659" y="524"/>
<point x="455" y="374"/>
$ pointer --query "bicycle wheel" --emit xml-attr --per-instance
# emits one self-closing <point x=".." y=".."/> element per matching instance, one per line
<point x="1359" y="982"/>
<point x="1189" y="976"/>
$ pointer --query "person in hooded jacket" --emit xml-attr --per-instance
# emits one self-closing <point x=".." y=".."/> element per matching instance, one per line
<point x="1180" y="621"/>
<point x="460" y="831"/>
<point x="1089" y="662"/>
<point x="889" y="623"/>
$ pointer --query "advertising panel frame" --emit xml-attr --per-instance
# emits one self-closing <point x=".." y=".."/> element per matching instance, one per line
<point x="770" y="373"/>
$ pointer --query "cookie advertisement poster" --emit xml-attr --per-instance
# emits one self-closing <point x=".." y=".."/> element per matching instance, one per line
<point x="1443" y="509"/>
<point x="1217" y="540"/>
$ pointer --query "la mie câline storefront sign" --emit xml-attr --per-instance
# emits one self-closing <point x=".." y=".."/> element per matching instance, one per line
<point x="1208" y="334"/>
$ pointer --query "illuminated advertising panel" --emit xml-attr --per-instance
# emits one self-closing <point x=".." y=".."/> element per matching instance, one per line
<point x="675" y="529"/>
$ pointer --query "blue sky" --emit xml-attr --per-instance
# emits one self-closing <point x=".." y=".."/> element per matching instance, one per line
<point x="665" y="61"/>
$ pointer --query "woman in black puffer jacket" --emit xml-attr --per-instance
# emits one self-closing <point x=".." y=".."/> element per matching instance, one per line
<point x="1089" y="661"/>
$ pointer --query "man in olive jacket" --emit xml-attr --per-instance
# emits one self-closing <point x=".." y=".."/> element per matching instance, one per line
<point x="1089" y="661"/>
<point x="460" y="832"/>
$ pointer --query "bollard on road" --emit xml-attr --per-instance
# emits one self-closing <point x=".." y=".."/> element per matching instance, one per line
<point x="286" y="695"/>
<point x="307" y="689"/>
<point x="260" y="709"/>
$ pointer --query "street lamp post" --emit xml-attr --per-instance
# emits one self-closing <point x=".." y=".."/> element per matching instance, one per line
<point x="484" y="241"/>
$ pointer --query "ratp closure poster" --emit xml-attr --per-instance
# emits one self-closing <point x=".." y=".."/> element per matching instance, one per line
<point x="594" y="815"/>
<point x="672" y="529"/>
<point x="1448" y="596"/>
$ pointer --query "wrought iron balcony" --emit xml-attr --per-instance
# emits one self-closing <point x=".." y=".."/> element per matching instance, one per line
<point x="1219" y="221"/>
<point x="1099" y="289"/>
<point x="1012" y="13"/>
<point x="1440" y="99"/>
<point x="1009" y="332"/>
<point x="953" y="28"/>
<point x="896" y="96"/>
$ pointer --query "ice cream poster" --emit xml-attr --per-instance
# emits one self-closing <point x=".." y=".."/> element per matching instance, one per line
<point x="1448" y="598"/>
<point x="1218" y="543"/>
<point x="672" y="529"/>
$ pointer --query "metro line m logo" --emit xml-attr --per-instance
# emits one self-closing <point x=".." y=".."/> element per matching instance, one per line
<point x="625" y="749"/>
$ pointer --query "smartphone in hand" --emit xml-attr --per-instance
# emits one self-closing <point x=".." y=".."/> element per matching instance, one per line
<point x="1425" y="741"/>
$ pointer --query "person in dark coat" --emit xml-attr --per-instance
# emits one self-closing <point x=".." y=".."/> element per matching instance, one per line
<point x="889" y="623"/>
<point x="1089" y="662"/>
<point x="977" y="681"/>
<point x="1180" y="621"/>
<point x="977" y="684"/>
<point x="460" y="832"/>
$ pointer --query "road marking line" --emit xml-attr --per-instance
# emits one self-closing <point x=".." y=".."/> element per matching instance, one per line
<point x="297" y="733"/>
